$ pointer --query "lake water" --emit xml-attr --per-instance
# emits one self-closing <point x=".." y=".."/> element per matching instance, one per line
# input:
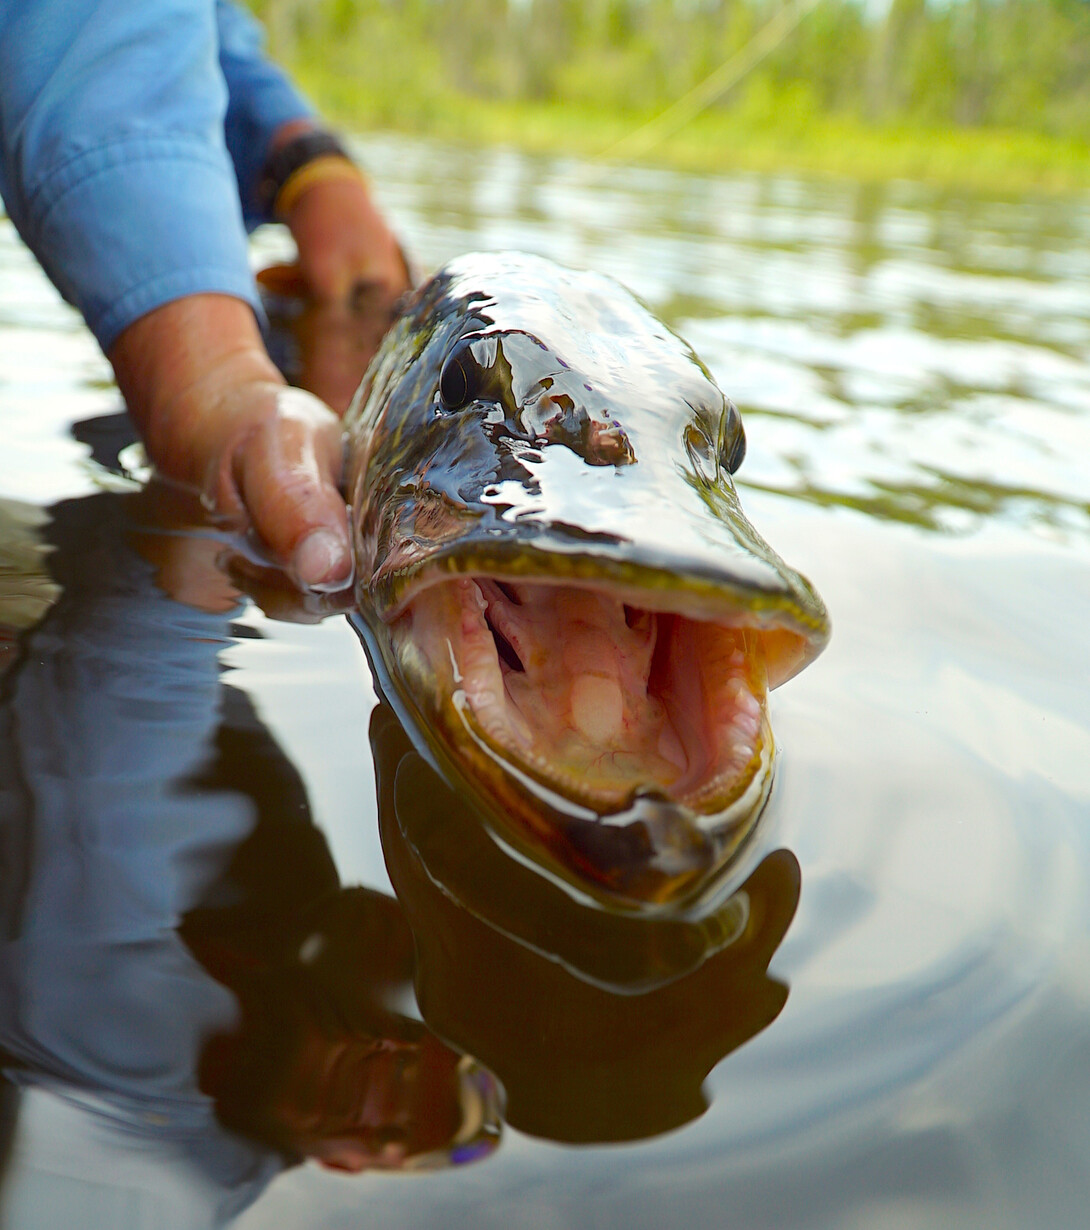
<point x="900" y="1037"/>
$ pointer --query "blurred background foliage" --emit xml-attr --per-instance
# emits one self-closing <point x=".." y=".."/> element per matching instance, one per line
<point x="920" y="86"/>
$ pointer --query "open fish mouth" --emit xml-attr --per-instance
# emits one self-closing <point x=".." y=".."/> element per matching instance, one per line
<point x="597" y="697"/>
<point x="624" y="729"/>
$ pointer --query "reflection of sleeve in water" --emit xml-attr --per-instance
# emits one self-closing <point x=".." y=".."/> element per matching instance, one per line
<point x="111" y="710"/>
<point x="76" y="1163"/>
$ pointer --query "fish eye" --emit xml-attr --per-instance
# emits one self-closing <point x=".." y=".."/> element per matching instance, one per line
<point x="465" y="372"/>
<point x="733" y="452"/>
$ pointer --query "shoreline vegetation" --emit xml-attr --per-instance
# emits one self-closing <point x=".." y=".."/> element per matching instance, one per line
<point x="988" y="95"/>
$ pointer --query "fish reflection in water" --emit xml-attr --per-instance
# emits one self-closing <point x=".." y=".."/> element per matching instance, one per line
<point x="190" y="999"/>
<point x="601" y="1026"/>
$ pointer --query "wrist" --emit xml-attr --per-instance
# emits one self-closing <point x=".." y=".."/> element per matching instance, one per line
<point x="328" y="169"/>
<point x="298" y="158"/>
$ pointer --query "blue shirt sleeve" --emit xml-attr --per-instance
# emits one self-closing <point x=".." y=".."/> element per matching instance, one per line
<point x="114" y="162"/>
<point x="259" y="99"/>
<point x="102" y="738"/>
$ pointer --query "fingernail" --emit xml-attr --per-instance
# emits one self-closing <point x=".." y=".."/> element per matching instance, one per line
<point x="322" y="562"/>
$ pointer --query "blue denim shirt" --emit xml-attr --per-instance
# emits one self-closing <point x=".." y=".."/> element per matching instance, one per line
<point x="132" y="133"/>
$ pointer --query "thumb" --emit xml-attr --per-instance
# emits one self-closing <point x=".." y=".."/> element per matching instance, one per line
<point x="287" y="470"/>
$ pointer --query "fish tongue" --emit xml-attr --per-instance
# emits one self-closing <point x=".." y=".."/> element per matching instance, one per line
<point x="607" y="657"/>
<point x="592" y="630"/>
<point x="597" y="706"/>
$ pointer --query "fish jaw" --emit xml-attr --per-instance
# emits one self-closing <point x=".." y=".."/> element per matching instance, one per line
<point x="626" y="747"/>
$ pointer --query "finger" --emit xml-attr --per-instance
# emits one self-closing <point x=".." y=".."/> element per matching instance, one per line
<point x="286" y="280"/>
<point x="287" y="471"/>
<point x="329" y="271"/>
<point x="279" y="598"/>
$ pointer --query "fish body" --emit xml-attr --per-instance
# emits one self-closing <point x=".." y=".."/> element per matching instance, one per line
<point x="558" y="582"/>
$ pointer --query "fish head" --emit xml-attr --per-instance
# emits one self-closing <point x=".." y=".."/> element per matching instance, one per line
<point x="558" y="577"/>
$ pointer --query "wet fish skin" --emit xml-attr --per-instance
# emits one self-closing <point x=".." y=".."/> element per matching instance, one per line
<point x="531" y="423"/>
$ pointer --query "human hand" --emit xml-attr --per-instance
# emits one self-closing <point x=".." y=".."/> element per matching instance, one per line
<point x="198" y="564"/>
<point x="344" y="242"/>
<point x="323" y="347"/>
<point x="217" y="416"/>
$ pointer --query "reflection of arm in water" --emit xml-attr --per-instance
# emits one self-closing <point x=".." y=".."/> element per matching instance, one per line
<point x="111" y="707"/>
<point x="103" y="1010"/>
<point x="148" y="794"/>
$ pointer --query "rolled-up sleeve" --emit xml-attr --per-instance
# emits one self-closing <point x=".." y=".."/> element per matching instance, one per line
<point x="114" y="164"/>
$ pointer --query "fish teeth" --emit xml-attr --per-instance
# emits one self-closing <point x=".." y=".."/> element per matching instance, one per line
<point x="580" y="715"/>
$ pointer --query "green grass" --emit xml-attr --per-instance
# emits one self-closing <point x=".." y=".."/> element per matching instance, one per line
<point x="770" y="138"/>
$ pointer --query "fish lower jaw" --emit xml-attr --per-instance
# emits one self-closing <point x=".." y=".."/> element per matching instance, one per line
<point x="711" y="803"/>
<point x="594" y="700"/>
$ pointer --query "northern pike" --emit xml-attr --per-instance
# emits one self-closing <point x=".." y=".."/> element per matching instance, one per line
<point x="556" y="580"/>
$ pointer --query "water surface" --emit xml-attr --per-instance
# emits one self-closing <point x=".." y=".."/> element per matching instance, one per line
<point x="900" y="1033"/>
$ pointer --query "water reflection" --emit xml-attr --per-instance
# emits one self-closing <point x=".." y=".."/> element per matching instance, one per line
<point x="189" y="999"/>
<point x="601" y="1027"/>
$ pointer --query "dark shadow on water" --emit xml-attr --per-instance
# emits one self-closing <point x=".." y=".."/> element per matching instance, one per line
<point x="106" y="437"/>
<point x="601" y="1025"/>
